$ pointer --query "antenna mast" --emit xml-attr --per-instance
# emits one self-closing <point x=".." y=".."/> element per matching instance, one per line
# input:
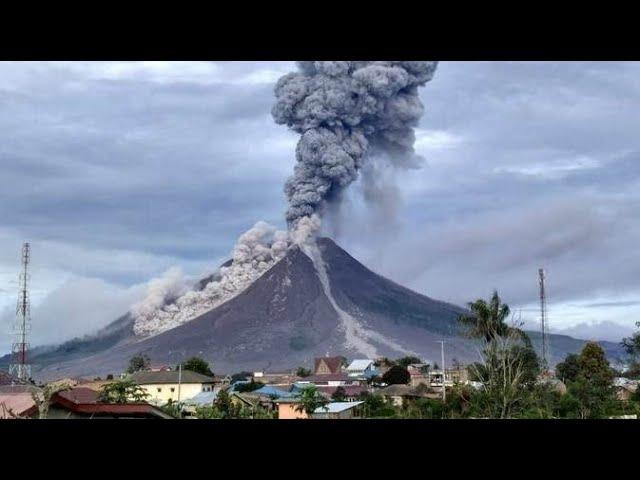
<point x="544" y="327"/>
<point x="20" y="368"/>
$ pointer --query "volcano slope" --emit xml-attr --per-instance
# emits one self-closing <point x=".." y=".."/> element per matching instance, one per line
<point x="283" y="320"/>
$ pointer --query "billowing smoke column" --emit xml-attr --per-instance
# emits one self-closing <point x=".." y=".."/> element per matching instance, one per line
<point x="172" y="300"/>
<point x="344" y="112"/>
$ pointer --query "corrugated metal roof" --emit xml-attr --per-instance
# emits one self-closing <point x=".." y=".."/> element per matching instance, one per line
<point x="16" y="403"/>
<point x="202" y="398"/>
<point x="359" y="365"/>
<point x="269" y="390"/>
<point x="337" y="407"/>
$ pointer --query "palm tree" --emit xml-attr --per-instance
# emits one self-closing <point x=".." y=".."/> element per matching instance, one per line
<point x="487" y="320"/>
<point x="310" y="400"/>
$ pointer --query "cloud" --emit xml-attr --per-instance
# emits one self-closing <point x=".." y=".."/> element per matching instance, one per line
<point x="79" y="306"/>
<point x="117" y="171"/>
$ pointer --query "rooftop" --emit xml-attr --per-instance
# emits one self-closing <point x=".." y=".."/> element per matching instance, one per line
<point x="359" y="365"/>
<point x="170" y="376"/>
<point x="16" y="404"/>
<point x="337" y="407"/>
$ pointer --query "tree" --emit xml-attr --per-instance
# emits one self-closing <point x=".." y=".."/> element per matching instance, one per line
<point x="42" y="397"/>
<point x="408" y="360"/>
<point x="487" y="319"/>
<point x="303" y="372"/>
<point x="110" y="376"/>
<point x="225" y="405"/>
<point x="310" y="400"/>
<point x="172" y="408"/>
<point x="631" y="346"/>
<point x="240" y="376"/>
<point x="501" y="374"/>
<point x="374" y="406"/>
<point x="138" y="363"/>
<point x="198" y="365"/>
<point x="568" y="370"/>
<point x="339" y="395"/>
<point x="122" y="391"/>
<point x="249" y="386"/>
<point x="396" y="375"/>
<point x="593" y="386"/>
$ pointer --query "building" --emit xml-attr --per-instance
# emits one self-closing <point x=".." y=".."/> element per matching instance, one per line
<point x="330" y="380"/>
<point x="398" y="394"/>
<point x="165" y="385"/>
<point x="328" y="365"/>
<point x="81" y="402"/>
<point x="419" y="373"/>
<point x="17" y="404"/>
<point x="625" y="388"/>
<point x="363" y="368"/>
<point x="351" y="392"/>
<point x="338" y="411"/>
<point x="287" y="409"/>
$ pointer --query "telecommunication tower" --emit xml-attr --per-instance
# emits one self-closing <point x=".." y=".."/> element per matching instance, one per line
<point x="544" y="326"/>
<point x="20" y="366"/>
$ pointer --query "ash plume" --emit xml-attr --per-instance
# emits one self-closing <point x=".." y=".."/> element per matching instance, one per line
<point x="344" y="112"/>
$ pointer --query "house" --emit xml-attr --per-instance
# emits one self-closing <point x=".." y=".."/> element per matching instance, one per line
<point x="202" y="399"/>
<point x="337" y="410"/>
<point x="165" y="385"/>
<point x="330" y="380"/>
<point x="419" y="374"/>
<point x="397" y="394"/>
<point x="278" y="379"/>
<point x="287" y="409"/>
<point x="351" y="392"/>
<point x="328" y="365"/>
<point x="17" y="404"/>
<point x="363" y="368"/>
<point x="82" y="402"/>
<point x="625" y="388"/>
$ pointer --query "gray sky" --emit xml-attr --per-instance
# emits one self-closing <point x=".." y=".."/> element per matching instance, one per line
<point x="116" y="171"/>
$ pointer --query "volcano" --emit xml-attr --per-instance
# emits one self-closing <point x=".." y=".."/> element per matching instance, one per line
<point x="289" y="315"/>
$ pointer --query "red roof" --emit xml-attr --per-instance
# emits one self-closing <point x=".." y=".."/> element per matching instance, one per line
<point x="85" y="400"/>
<point x="334" y="363"/>
<point x="349" y="390"/>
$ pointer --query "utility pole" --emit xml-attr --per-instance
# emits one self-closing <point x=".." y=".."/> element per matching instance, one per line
<point x="179" y="380"/>
<point x="544" y="327"/>
<point x="444" y="390"/>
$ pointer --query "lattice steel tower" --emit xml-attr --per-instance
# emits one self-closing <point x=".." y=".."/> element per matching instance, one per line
<point x="20" y="367"/>
<point x="544" y="326"/>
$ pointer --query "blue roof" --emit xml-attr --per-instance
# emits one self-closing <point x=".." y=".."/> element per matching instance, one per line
<point x="274" y="392"/>
<point x="202" y="398"/>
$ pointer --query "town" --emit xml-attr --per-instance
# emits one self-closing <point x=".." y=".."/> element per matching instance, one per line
<point x="510" y="382"/>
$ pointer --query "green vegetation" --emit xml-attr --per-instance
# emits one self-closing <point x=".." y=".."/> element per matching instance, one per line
<point x="225" y="408"/>
<point x="138" y="363"/>
<point x="396" y="375"/>
<point x="249" y="387"/>
<point x="303" y="372"/>
<point x="406" y="361"/>
<point x="122" y="391"/>
<point x="310" y="400"/>
<point x="198" y="365"/>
